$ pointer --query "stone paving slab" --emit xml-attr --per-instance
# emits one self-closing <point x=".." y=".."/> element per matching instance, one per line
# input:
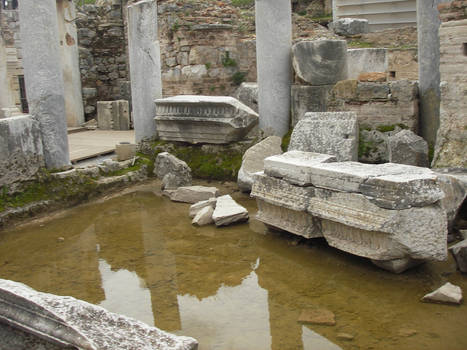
<point x="88" y="144"/>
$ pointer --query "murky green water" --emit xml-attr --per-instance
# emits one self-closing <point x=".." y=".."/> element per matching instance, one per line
<point x="234" y="288"/>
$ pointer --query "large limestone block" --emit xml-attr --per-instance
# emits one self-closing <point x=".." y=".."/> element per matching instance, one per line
<point x="203" y="119"/>
<point x="453" y="183"/>
<point x="283" y="206"/>
<point x="308" y="99"/>
<point x="334" y="133"/>
<point x="172" y="171"/>
<point x="320" y="62"/>
<point x="419" y="233"/>
<point x="349" y="26"/>
<point x="297" y="222"/>
<point x="294" y="166"/>
<point x="193" y="194"/>
<point x="228" y="212"/>
<point x="253" y="160"/>
<point x="55" y="322"/>
<point x="22" y="153"/>
<point x="367" y="60"/>
<point x="406" y="147"/>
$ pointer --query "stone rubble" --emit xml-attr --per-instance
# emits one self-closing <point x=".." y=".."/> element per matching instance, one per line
<point x="459" y="252"/>
<point x="253" y="160"/>
<point x="48" y="320"/>
<point x="172" y="171"/>
<point x="192" y="194"/>
<point x="334" y="133"/>
<point x="195" y="208"/>
<point x="228" y="212"/>
<point x="448" y="293"/>
<point x="350" y="26"/>
<point x="204" y="217"/>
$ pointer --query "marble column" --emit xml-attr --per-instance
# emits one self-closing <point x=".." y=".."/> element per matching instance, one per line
<point x="274" y="65"/>
<point x="145" y="67"/>
<point x="6" y="96"/>
<point x="66" y="15"/>
<point x="43" y="77"/>
<point x="428" y="23"/>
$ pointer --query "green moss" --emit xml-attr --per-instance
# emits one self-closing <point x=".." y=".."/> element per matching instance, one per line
<point x="386" y="128"/>
<point x="238" y="78"/>
<point x="286" y="140"/>
<point x="359" y="44"/>
<point x="431" y="153"/>
<point x="227" y="61"/>
<point x="137" y="166"/>
<point x="243" y="3"/>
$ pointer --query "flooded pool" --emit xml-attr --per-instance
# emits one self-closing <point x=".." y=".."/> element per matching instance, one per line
<point x="233" y="288"/>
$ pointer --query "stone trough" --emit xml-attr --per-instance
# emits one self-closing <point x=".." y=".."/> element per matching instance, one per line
<point x="203" y="119"/>
<point x="389" y="213"/>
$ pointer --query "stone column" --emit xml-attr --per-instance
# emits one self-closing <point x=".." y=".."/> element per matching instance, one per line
<point x="6" y="96"/>
<point x="66" y="15"/>
<point x="44" y="78"/>
<point x="145" y="66"/>
<point x="428" y="23"/>
<point x="274" y="65"/>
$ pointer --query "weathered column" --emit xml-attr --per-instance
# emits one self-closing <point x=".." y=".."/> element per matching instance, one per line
<point x="428" y="23"/>
<point x="274" y="65"/>
<point x="43" y="77"/>
<point x="66" y="16"/>
<point x="145" y="66"/>
<point x="6" y="96"/>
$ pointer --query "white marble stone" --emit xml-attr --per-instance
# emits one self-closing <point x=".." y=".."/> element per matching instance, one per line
<point x="253" y="160"/>
<point x="193" y="194"/>
<point x="195" y="208"/>
<point x="228" y="212"/>
<point x="334" y="133"/>
<point x="204" y="217"/>
<point x="145" y="66"/>
<point x="273" y="45"/>
<point x="448" y="293"/>
<point x="44" y="77"/>
<point x="203" y="119"/>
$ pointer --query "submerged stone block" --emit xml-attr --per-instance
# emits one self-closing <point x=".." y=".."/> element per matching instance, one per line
<point x="55" y="322"/>
<point x="203" y="119"/>
<point x="334" y="133"/>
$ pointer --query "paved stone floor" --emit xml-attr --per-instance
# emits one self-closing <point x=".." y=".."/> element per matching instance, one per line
<point x="93" y="143"/>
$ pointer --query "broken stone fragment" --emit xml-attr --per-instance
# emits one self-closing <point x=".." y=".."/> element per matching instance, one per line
<point x="193" y="194"/>
<point x="406" y="147"/>
<point x="317" y="316"/>
<point x="349" y="26"/>
<point x="397" y="265"/>
<point x="203" y="217"/>
<point x="228" y="212"/>
<point x="195" y="208"/>
<point x="448" y="293"/>
<point x="253" y="160"/>
<point x="459" y="252"/>
<point x="48" y="321"/>
<point x="172" y="171"/>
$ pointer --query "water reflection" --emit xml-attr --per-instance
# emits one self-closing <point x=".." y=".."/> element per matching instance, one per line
<point x="125" y="293"/>
<point x="231" y="288"/>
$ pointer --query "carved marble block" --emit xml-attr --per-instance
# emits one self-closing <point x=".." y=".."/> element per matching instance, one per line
<point x="203" y="119"/>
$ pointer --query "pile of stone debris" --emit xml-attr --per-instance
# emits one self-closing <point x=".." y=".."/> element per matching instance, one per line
<point x="208" y="207"/>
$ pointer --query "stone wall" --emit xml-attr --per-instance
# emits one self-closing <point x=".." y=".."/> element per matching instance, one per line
<point x="451" y="142"/>
<point x="103" y="56"/>
<point x="201" y="50"/>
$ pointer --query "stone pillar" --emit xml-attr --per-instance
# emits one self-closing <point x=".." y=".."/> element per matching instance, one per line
<point x="428" y="23"/>
<point x="44" y="78"/>
<point x="274" y="65"/>
<point x="145" y="67"/>
<point x="66" y="15"/>
<point x="6" y="96"/>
